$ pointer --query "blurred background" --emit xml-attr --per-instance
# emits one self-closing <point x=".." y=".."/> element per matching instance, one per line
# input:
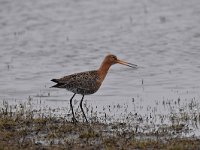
<point x="41" y="40"/>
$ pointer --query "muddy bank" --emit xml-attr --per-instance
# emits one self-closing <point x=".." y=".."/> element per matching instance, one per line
<point x="54" y="133"/>
<point x="30" y="129"/>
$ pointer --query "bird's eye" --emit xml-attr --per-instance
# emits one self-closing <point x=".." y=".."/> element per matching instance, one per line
<point x="113" y="58"/>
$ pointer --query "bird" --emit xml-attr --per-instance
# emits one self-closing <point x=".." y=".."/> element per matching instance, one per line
<point x="88" y="82"/>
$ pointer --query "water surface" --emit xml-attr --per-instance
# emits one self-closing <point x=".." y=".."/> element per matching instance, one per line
<point x="44" y="40"/>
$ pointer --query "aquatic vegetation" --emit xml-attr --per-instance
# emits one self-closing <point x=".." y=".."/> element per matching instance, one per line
<point x="22" y="126"/>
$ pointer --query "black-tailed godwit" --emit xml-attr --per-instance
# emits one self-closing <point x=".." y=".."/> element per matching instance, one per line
<point x="88" y="82"/>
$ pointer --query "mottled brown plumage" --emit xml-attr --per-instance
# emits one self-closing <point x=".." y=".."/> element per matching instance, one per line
<point x="83" y="83"/>
<point x="88" y="82"/>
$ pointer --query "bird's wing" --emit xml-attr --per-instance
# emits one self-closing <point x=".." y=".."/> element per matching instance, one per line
<point x="83" y="80"/>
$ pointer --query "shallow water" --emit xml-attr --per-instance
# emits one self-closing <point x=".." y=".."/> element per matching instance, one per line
<point x="44" y="40"/>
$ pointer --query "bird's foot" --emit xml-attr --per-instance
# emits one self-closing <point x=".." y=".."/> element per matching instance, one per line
<point x="86" y="121"/>
<point x="74" y="120"/>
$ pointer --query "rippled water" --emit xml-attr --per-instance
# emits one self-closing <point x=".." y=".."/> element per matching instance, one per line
<point x="41" y="40"/>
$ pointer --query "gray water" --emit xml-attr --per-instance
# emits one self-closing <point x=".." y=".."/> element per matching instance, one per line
<point x="41" y="40"/>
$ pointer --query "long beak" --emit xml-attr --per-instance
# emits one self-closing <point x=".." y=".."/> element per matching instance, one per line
<point x="127" y="64"/>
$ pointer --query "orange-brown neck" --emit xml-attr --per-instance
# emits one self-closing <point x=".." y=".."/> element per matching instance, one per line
<point x="102" y="71"/>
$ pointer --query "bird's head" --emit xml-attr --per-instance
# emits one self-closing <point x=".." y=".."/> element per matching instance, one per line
<point x="112" y="59"/>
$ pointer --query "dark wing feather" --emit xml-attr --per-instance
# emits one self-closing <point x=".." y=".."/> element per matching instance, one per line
<point x="55" y="80"/>
<point x="83" y="81"/>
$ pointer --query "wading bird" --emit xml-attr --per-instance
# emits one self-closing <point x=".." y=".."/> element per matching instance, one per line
<point x="86" y="83"/>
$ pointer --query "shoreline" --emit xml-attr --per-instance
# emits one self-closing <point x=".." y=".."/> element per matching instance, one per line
<point x="31" y="129"/>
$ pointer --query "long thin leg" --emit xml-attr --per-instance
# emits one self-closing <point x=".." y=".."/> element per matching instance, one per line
<point x="73" y="119"/>
<point x="82" y="109"/>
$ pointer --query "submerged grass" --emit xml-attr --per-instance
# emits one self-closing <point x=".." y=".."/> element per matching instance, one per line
<point x="24" y="128"/>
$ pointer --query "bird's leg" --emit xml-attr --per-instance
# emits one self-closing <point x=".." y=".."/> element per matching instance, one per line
<point x="82" y="109"/>
<point x="73" y="119"/>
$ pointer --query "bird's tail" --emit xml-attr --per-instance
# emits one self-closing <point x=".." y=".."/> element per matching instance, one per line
<point x="56" y="85"/>
<point x="55" y="80"/>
